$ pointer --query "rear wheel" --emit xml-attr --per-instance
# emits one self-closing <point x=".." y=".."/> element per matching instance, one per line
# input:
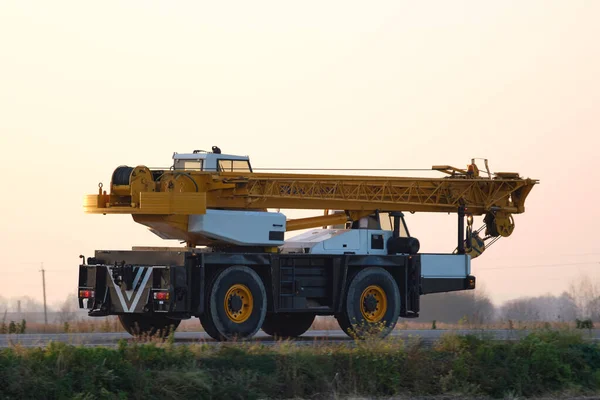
<point x="287" y="325"/>
<point x="236" y="305"/>
<point x="148" y="325"/>
<point x="371" y="305"/>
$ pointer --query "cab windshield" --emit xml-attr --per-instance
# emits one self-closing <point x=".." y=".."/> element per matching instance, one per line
<point x="387" y="223"/>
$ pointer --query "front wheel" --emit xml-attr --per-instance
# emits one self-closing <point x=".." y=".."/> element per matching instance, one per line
<point x="371" y="305"/>
<point x="287" y="325"/>
<point x="148" y="325"/>
<point x="236" y="305"/>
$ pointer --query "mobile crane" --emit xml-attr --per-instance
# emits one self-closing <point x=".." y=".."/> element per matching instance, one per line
<point x="238" y="274"/>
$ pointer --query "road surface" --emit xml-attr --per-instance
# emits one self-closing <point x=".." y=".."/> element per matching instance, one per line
<point x="309" y="338"/>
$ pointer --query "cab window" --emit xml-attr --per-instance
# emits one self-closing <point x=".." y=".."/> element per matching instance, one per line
<point x="234" y="166"/>
<point x="188" y="165"/>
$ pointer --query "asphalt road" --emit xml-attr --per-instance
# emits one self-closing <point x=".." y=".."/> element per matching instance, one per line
<point x="309" y="338"/>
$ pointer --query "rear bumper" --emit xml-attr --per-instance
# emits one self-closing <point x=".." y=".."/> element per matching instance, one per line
<point x="114" y="290"/>
<point x="441" y="285"/>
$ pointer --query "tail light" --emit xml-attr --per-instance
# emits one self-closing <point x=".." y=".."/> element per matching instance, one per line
<point x="161" y="296"/>
<point x="86" y="294"/>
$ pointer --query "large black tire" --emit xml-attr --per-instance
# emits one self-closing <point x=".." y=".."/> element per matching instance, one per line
<point x="219" y="317"/>
<point x="205" y="319"/>
<point x="287" y="325"/>
<point x="352" y="319"/>
<point x="148" y="325"/>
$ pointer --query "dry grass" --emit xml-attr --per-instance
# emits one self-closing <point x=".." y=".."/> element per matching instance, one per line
<point x="109" y="324"/>
<point x="112" y="324"/>
<point x="330" y="323"/>
<point x="100" y="324"/>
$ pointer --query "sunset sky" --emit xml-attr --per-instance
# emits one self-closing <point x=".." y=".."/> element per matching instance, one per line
<point x="88" y="86"/>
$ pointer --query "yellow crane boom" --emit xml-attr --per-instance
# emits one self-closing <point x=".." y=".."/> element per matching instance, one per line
<point x="163" y="199"/>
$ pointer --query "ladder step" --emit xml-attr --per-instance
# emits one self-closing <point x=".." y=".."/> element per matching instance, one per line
<point x="287" y="281"/>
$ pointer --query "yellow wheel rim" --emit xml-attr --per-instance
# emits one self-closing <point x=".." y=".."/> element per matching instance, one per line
<point x="238" y="303"/>
<point x="373" y="303"/>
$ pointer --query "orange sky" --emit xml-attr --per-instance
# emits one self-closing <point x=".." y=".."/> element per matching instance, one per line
<point x="85" y="87"/>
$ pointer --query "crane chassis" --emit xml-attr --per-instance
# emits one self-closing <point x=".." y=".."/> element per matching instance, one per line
<point x="238" y="274"/>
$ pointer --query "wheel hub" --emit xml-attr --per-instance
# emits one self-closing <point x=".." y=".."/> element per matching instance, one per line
<point x="370" y="303"/>
<point x="235" y="303"/>
<point x="238" y="303"/>
<point x="373" y="303"/>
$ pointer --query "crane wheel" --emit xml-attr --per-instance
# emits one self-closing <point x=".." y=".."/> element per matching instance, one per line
<point x="148" y="325"/>
<point x="236" y="304"/>
<point x="287" y="325"/>
<point x="372" y="304"/>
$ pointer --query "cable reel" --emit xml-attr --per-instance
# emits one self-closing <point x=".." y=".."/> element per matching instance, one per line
<point x="499" y="223"/>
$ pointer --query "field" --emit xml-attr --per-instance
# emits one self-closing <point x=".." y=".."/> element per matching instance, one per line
<point x="546" y="362"/>
<point x="111" y="324"/>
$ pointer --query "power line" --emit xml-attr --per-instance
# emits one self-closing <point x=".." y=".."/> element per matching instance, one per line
<point x="548" y="255"/>
<point x="344" y="169"/>
<point x="538" y="266"/>
<point x="304" y="169"/>
<point x="61" y="270"/>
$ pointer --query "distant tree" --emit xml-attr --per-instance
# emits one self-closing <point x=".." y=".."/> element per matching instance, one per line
<point x="473" y="306"/>
<point x="566" y="308"/>
<point x="3" y="327"/>
<point x="594" y="309"/>
<point x="585" y="294"/>
<point x="522" y="309"/>
<point x="484" y="310"/>
<point x="67" y="311"/>
<point x="3" y="304"/>
<point x="542" y="308"/>
<point x="28" y="304"/>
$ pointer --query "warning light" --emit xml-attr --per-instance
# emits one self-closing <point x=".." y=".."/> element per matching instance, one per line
<point x="86" y="294"/>
<point x="161" y="295"/>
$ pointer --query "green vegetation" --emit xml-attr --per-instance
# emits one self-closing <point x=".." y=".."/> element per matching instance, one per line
<point x="13" y="327"/>
<point x="545" y="362"/>
<point x="584" y="324"/>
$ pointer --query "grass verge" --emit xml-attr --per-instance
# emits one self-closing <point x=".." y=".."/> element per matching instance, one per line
<point x="112" y="324"/>
<point x="543" y="363"/>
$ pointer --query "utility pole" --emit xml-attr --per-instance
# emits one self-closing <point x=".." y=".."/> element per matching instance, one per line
<point x="44" y="286"/>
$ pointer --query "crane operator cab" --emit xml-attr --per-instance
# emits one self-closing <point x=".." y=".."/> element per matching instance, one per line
<point x="201" y="160"/>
